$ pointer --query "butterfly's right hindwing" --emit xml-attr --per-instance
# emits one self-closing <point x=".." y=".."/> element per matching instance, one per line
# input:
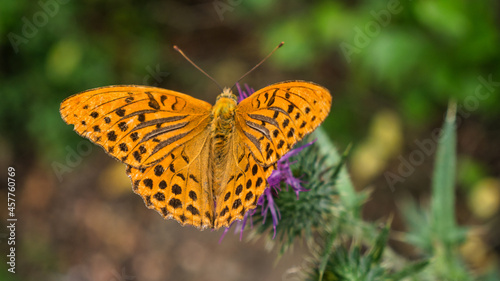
<point x="179" y="186"/>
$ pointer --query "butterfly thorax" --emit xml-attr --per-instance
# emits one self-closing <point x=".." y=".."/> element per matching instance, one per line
<point x="223" y="112"/>
<point x="222" y="130"/>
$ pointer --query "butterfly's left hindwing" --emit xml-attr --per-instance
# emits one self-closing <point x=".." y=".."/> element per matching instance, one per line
<point x="243" y="184"/>
<point x="137" y="125"/>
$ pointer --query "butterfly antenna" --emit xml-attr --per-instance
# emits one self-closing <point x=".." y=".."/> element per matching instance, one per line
<point x="197" y="67"/>
<point x="262" y="61"/>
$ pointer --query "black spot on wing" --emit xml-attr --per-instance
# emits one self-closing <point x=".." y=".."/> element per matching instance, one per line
<point x="148" y="183"/>
<point x="176" y="189"/>
<point x="112" y="136"/>
<point x="193" y="195"/>
<point x="193" y="210"/>
<point x="158" y="170"/>
<point x="123" y="126"/>
<point x="152" y="102"/>
<point x="159" y="196"/>
<point x="175" y="203"/>
<point x="191" y="176"/>
<point x="162" y="184"/>
<point x="120" y="112"/>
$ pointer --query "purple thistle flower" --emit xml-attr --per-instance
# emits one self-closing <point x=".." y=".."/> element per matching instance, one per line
<point x="283" y="173"/>
<point x="242" y="94"/>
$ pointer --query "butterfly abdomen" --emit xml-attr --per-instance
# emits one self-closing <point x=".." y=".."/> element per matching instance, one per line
<point x="222" y="129"/>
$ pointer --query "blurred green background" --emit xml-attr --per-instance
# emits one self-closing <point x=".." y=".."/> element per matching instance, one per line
<point x="391" y="66"/>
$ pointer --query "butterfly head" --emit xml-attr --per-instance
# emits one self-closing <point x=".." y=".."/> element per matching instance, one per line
<point x="225" y="105"/>
<point x="227" y="93"/>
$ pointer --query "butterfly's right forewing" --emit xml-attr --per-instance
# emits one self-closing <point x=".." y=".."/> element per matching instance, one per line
<point x="138" y="125"/>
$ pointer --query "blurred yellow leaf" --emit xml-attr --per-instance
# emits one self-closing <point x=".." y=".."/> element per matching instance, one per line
<point x="383" y="142"/>
<point x="484" y="199"/>
<point x="113" y="181"/>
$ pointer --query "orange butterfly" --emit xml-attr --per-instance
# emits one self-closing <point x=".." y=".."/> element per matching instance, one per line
<point x="202" y="165"/>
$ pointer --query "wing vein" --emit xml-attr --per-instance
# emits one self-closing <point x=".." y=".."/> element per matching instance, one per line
<point x="163" y="130"/>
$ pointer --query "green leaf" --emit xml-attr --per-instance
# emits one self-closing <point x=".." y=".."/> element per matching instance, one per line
<point x="350" y="199"/>
<point x="417" y="220"/>
<point x="443" y="181"/>
<point x="447" y="17"/>
<point x="378" y="249"/>
<point x="342" y="161"/>
<point x="409" y="270"/>
<point x="326" y="253"/>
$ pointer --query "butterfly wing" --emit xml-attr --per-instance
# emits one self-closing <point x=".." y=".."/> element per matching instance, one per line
<point x="276" y="117"/>
<point x="245" y="181"/>
<point x="137" y="125"/>
<point x="161" y="135"/>
<point x="268" y="124"/>
<point x="178" y="186"/>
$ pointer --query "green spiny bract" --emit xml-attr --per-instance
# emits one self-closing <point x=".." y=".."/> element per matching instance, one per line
<point x="313" y="208"/>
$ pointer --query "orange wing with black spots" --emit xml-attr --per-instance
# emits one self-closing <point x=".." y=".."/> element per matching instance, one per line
<point x="268" y="124"/>
<point x="276" y="117"/>
<point x="245" y="181"/>
<point x="163" y="137"/>
<point x="137" y="125"/>
<point x="178" y="186"/>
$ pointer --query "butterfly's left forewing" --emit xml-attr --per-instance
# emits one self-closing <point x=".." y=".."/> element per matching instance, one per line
<point x="276" y="117"/>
